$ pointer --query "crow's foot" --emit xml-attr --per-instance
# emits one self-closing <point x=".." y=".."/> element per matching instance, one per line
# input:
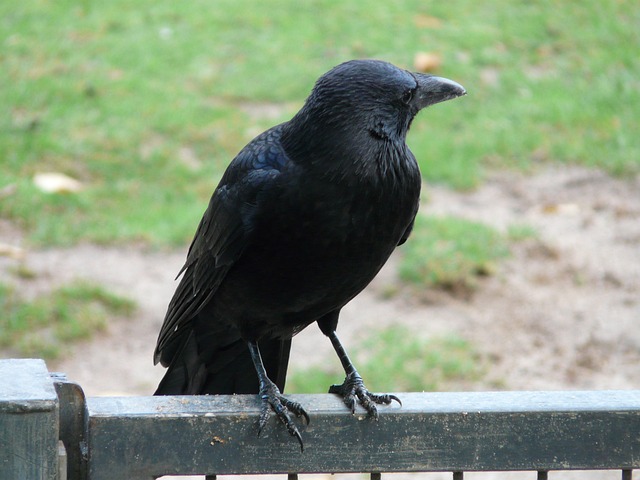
<point x="353" y="388"/>
<point x="272" y="399"/>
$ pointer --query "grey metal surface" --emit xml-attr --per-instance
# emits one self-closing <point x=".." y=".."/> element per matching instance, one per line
<point x="28" y="421"/>
<point x="26" y="386"/>
<point x="138" y="437"/>
<point x="72" y="414"/>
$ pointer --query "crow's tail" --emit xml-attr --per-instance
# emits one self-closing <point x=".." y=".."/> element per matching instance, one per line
<point x="203" y="364"/>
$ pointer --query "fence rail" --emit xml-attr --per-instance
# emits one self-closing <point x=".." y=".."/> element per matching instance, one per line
<point x="145" y="437"/>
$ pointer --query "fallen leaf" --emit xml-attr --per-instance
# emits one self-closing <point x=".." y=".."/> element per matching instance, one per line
<point x="427" y="61"/>
<point x="54" y="182"/>
<point x="561" y="208"/>
<point x="11" y="251"/>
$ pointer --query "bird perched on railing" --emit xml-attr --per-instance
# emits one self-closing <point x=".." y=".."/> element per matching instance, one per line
<point x="302" y="220"/>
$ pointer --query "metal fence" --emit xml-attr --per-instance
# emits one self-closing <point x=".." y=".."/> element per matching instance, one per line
<point x="49" y="430"/>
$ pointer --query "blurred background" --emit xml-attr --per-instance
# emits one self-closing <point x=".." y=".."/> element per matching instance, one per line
<point x="119" y="117"/>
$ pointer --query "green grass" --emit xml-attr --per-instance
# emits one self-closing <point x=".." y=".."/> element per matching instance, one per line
<point x="450" y="253"/>
<point x="45" y="326"/>
<point x="520" y="232"/>
<point x="147" y="102"/>
<point x="398" y="360"/>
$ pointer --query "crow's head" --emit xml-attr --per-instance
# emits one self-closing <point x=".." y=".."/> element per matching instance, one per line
<point x="376" y="97"/>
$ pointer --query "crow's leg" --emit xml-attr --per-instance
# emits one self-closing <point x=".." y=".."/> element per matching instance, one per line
<point x="272" y="399"/>
<point x="353" y="387"/>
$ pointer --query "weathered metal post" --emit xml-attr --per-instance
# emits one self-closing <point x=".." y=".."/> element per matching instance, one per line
<point x="29" y="422"/>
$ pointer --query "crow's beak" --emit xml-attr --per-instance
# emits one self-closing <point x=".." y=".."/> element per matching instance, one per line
<point x="432" y="90"/>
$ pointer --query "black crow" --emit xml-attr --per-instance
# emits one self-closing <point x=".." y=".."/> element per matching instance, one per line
<point x="302" y="220"/>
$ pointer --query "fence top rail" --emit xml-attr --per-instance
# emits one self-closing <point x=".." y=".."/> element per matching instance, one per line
<point x="412" y="403"/>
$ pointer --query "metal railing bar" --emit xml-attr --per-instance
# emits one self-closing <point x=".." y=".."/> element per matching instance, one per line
<point x="474" y="431"/>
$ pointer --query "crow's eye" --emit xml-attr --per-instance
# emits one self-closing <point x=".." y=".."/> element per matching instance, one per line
<point x="407" y="96"/>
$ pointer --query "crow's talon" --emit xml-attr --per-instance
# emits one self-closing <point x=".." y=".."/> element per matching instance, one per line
<point x="384" y="399"/>
<point x="353" y="388"/>
<point x="296" y="408"/>
<point x="273" y="400"/>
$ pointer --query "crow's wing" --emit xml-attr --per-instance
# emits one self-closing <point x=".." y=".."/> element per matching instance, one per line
<point x="222" y="235"/>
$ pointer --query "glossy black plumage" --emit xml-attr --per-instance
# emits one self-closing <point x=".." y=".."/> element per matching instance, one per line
<point x="301" y="221"/>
